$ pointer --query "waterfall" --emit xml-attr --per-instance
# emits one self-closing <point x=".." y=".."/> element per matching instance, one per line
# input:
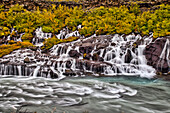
<point x="40" y="36"/>
<point x="165" y="54"/>
<point x="36" y="71"/>
<point x="108" y="55"/>
<point x="19" y="70"/>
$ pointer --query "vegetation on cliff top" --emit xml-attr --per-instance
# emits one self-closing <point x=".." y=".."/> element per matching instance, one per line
<point x="100" y="20"/>
<point x="7" y="49"/>
<point x="54" y="41"/>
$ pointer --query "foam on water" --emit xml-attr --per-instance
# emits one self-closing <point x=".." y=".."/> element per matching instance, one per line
<point x="55" y="62"/>
<point x="40" y="91"/>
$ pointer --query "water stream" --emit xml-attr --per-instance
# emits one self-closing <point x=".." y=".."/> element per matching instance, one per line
<point x="130" y="87"/>
<point x="76" y="95"/>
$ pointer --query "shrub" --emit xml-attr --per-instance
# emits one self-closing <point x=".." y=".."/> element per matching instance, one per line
<point x="7" y="49"/>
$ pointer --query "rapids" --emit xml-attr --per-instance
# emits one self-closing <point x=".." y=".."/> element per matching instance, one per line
<point x="77" y="95"/>
<point x="25" y="76"/>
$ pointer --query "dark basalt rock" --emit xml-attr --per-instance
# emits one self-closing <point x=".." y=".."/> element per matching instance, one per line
<point x="74" y="54"/>
<point x="86" y="48"/>
<point x="128" y="56"/>
<point x="152" y="54"/>
<point x="68" y="64"/>
<point x="96" y="57"/>
<point x="53" y="75"/>
<point x="102" y="46"/>
<point x="44" y="51"/>
<point x="5" y="62"/>
<point x="33" y="48"/>
<point x="97" y="67"/>
<point x="113" y="44"/>
<point x="69" y="72"/>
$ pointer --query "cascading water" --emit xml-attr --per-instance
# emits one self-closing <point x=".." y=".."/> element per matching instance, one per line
<point x="115" y="55"/>
<point x="105" y="55"/>
<point x="40" y="36"/>
<point x="165" y="53"/>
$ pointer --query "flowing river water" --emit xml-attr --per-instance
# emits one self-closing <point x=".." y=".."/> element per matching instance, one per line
<point x="79" y="94"/>
<point x="32" y="88"/>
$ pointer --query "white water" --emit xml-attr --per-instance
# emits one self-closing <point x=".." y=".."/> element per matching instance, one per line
<point x="40" y="37"/>
<point x="33" y="91"/>
<point x="165" y="53"/>
<point x="114" y="54"/>
<point x="140" y="68"/>
<point x="76" y="95"/>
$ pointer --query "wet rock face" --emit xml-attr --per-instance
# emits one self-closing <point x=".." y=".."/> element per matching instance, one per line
<point x="97" y="67"/>
<point x="86" y="48"/>
<point x="128" y="57"/>
<point x="74" y="54"/>
<point x="157" y="55"/>
<point x="101" y="46"/>
<point x="98" y="55"/>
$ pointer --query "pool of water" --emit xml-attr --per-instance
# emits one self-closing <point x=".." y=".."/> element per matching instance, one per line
<point x="84" y="94"/>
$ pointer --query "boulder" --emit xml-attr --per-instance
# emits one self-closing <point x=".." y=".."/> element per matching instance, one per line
<point x="33" y="48"/>
<point x="69" y="72"/>
<point x="101" y="46"/>
<point x="128" y="56"/>
<point x="86" y="48"/>
<point x="113" y="44"/>
<point x="96" y="57"/>
<point x="74" y="54"/>
<point x="152" y="54"/>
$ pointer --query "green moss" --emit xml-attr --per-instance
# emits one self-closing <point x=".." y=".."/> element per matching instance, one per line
<point x="50" y="42"/>
<point x="27" y="36"/>
<point x="6" y="49"/>
<point x="47" y="29"/>
<point x="12" y="42"/>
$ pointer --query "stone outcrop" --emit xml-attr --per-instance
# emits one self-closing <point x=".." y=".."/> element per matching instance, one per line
<point x="157" y="55"/>
<point x="99" y="55"/>
<point x="86" y="48"/>
<point x="74" y="54"/>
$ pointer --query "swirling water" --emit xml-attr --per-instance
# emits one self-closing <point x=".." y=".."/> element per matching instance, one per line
<point x="92" y="94"/>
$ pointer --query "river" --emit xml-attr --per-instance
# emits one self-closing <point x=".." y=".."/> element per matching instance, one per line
<point x="84" y="95"/>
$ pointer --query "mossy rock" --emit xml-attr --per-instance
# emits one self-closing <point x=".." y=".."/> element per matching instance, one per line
<point x="27" y="36"/>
